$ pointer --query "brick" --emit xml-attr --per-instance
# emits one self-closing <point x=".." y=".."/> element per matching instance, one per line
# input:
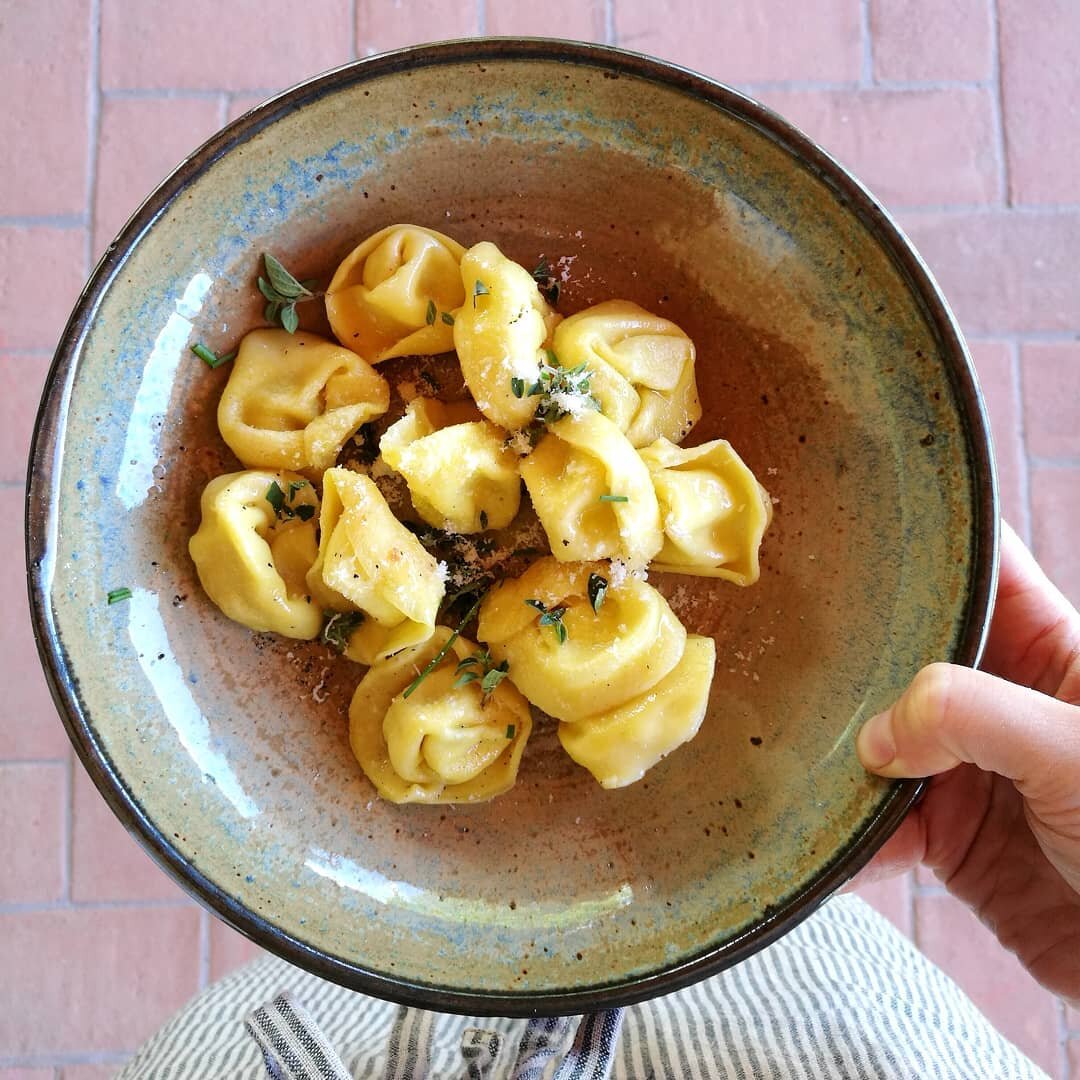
<point x="32" y="799"/>
<point x="738" y="41"/>
<point x="582" y="20"/>
<point x="1051" y="380"/>
<point x="1040" y="85"/>
<point x="142" y="141"/>
<point x="95" y="980"/>
<point x="42" y="269"/>
<point x="22" y="376"/>
<point x="205" y="45"/>
<point x="891" y="898"/>
<point x="1003" y="271"/>
<point x="994" y="365"/>
<point x="1055" y="523"/>
<point x="910" y="147"/>
<point x="91" y="1072"/>
<point x="917" y="40"/>
<point x="381" y="26"/>
<point x="1073" y="1053"/>
<point x="1072" y="1022"/>
<point x="106" y="862"/>
<point x="229" y="949"/>
<point x="29" y="725"/>
<point x="954" y="939"/>
<point x="46" y="67"/>
<point x="27" y="1074"/>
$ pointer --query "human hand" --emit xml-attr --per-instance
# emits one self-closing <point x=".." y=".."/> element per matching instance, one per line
<point x="1000" y="821"/>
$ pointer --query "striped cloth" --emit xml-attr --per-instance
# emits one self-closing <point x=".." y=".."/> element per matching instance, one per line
<point x="842" y="995"/>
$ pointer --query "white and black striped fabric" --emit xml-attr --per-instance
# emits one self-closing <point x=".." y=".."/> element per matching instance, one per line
<point x="843" y="995"/>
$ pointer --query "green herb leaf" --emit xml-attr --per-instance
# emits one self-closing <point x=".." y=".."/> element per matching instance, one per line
<point x="339" y="627"/>
<point x="438" y="658"/>
<point x="538" y="604"/>
<point x="431" y="312"/>
<point x="560" y="633"/>
<point x="289" y="319"/>
<point x="597" y="590"/>
<point x="447" y="318"/>
<point x="305" y="511"/>
<point x="614" y="498"/>
<point x="295" y="486"/>
<point x="283" y="283"/>
<point x="270" y="312"/>
<point x="211" y="359"/>
<point x="479" y="289"/>
<point x="494" y="676"/>
<point x="275" y="497"/>
<point x="116" y="595"/>
<point x="510" y="729"/>
<point x="551" y="617"/>
<point x="466" y="678"/>
<point x="517" y="387"/>
<point x="266" y="289"/>
<point x="471" y="660"/>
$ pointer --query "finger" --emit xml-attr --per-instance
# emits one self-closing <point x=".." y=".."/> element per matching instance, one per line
<point x="1035" y="631"/>
<point x="952" y="714"/>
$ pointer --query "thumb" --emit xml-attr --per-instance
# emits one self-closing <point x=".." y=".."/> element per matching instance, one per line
<point x="951" y="714"/>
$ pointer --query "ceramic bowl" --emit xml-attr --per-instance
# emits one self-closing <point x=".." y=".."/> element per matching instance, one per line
<point x="827" y="356"/>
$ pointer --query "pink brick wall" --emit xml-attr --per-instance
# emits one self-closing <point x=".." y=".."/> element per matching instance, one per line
<point x="961" y="115"/>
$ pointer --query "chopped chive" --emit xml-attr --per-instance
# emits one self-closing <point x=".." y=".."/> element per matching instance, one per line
<point x="614" y="498"/>
<point x="431" y="312"/>
<point x="209" y="357"/>
<point x="447" y="318"/>
<point x="116" y="595"/>
<point x="597" y="589"/>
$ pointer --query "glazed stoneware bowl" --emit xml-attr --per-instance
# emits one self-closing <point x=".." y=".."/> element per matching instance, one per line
<point x="826" y="355"/>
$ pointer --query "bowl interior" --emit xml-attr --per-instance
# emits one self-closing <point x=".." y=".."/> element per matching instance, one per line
<point x="846" y="393"/>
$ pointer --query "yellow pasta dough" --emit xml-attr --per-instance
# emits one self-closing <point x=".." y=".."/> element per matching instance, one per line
<point x="252" y="559"/>
<point x="714" y="511"/>
<point x="607" y="657"/>
<point x="500" y="334"/>
<point x="443" y="743"/>
<point x="389" y="295"/>
<point x="461" y="475"/>
<point x="642" y="365"/>
<point x="620" y="745"/>
<point x="293" y="399"/>
<point x="592" y="493"/>
<point x="368" y="561"/>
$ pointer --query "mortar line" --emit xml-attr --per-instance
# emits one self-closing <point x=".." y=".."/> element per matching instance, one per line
<point x="997" y="108"/>
<point x="866" y="74"/>
<point x="93" y="130"/>
<point x="1021" y="425"/>
<point x="609" y="21"/>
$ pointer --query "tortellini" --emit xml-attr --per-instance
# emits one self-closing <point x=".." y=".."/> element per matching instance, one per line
<point x="444" y="743"/>
<point x="254" y="547"/>
<point x="500" y="334"/>
<point x="592" y="492"/>
<point x="389" y="296"/>
<point x="368" y="561"/>
<point x="461" y="475"/>
<point x="642" y="365"/>
<point x="620" y="745"/>
<point x="603" y="658"/>
<point x="714" y="511"/>
<point x="293" y="399"/>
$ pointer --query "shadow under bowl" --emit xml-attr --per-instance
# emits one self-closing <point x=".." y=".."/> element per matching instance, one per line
<point x="827" y="356"/>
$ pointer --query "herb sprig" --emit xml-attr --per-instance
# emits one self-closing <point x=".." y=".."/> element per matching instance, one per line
<point x="210" y="358"/>
<point x="614" y="498"/>
<point x="552" y="617"/>
<point x="438" y="658"/>
<point x="553" y="385"/>
<point x="283" y="504"/>
<point x="339" y="628"/>
<point x="116" y="595"/>
<point x="479" y="667"/>
<point x="283" y="292"/>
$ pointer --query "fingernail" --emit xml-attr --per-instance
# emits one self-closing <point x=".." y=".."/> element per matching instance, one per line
<point x="875" y="744"/>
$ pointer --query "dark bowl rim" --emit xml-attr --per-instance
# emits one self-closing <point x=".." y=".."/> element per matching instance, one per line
<point x="46" y="452"/>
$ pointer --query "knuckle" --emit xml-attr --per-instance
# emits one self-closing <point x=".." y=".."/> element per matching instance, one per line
<point x="931" y="698"/>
